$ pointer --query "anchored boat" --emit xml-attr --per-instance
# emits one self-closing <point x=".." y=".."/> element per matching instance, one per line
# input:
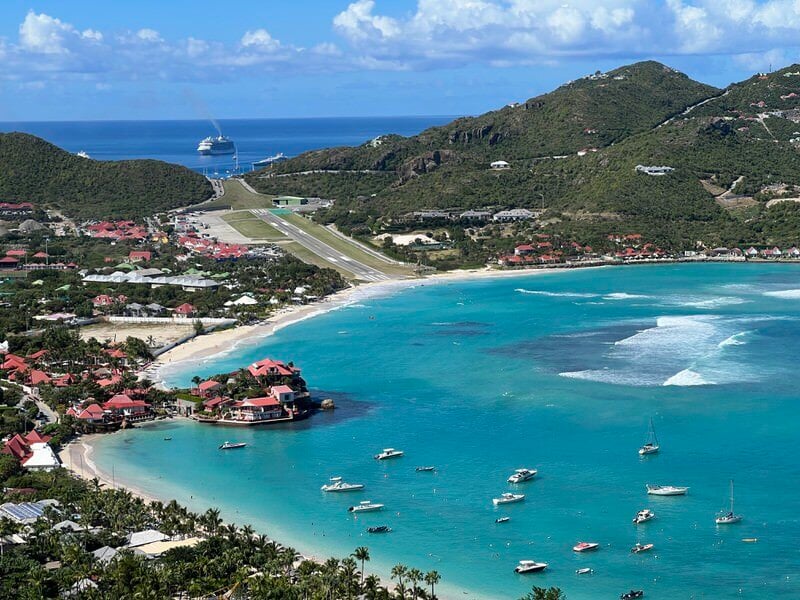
<point x="530" y="566"/>
<point x="666" y="490"/>
<point x="643" y="516"/>
<point x="585" y="546"/>
<point x="651" y="446"/>
<point x="365" y="506"/>
<point x="337" y="485"/>
<point x="730" y="517"/>
<point x="508" y="498"/>
<point x="388" y="453"/>
<point x="232" y="445"/>
<point x="521" y="475"/>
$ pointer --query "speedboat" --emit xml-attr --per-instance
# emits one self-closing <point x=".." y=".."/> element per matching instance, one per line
<point x="521" y="475"/>
<point x="232" y="445"/>
<point x="508" y="498"/>
<point x="651" y="445"/>
<point x="379" y="529"/>
<point x="167" y="439"/>
<point x="337" y="485"/>
<point x="632" y="595"/>
<point x="666" y="490"/>
<point x="730" y="517"/>
<point x="643" y="516"/>
<point x="585" y="546"/>
<point x="641" y="548"/>
<point x="425" y="469"/>
<point x="365" y="506"/>
<point x="389" y="453"/>
<point x="502" y="519"/>
<point x="530" y="566"/>
<point x="584" y="571"/>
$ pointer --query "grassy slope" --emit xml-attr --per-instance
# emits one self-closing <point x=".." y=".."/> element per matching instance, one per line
<point x="32" y="169"/>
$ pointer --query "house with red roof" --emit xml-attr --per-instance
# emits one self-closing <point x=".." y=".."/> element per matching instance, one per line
<point x="106" y="300"/>
<point x="8" y="262"/>
<point x="283" y="393"/>
<point x="32" y="451"/>
<point x="523" y="249"/>
<point x="122" y="407"/>
<point x="257" y="410"/>
<point x="93" y="414"/>
<point x="140" y="256"/>
<point x="184" y="310"/>
<point x="207" y="389"/>
<point x="37" y="377"/>
<point x="272" y="368"/>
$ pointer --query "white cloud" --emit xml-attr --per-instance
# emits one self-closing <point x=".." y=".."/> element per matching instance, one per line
<point x="260" y="39"/>
<point x="149" y="35"/>
<point x="44" y="34"/>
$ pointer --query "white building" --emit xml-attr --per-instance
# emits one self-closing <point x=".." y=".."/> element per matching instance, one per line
<point x="515" y="214"/>
<point x="499" y="165"/>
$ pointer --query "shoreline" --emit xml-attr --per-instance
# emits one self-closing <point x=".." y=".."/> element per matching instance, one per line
<point x="220" y="343"/>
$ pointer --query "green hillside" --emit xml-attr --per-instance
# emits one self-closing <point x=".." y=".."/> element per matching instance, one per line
<point x="573" y="154"/>
<point x="33" y="170"/>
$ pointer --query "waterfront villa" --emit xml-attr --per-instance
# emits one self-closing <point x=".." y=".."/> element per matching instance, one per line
<point x="32" y="451"/>
<point x="273" y="368"/>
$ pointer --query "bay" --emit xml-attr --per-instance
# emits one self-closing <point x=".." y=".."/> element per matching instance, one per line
<point x="559" y="371"/>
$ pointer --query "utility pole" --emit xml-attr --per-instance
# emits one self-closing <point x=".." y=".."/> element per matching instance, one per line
<point x="46" y="253"/>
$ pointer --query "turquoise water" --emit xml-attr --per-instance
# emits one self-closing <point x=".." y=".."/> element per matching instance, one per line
<point x="558" y="371"/>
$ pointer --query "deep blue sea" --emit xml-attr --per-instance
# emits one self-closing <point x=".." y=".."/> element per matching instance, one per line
<point x="559" y="371"/>
<point x="176" y="141"/>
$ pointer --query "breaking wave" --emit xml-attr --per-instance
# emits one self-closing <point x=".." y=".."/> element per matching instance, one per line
<point x="687" y="377"/>
<point x="556" y="294"/>
<point x="624" y="296"/>
<point x="784" y="294"/>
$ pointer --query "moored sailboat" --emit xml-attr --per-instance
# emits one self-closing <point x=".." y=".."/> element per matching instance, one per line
<point x="651" y="446"/>
<point x="730" y="517"/>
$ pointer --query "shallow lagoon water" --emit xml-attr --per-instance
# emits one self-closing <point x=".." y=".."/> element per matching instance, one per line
<point x="558" y="371"/>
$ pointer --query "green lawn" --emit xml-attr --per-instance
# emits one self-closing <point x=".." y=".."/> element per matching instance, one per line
<point x="251" y="226"/>
<point x="239" y="198"/>
<point x="345" y="247"/>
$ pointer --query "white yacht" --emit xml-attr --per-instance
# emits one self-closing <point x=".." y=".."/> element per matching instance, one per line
<point x="265" y="162"/>
<point x="337" y="485"/>
<point x="388" y="453"/>
<point x="530" y="566"/>
<point x="365" y="506"/>
<point x="216" y="145"/>
<point x="651" y="445"/>
<point x="730" y="517"/>
<point x="585" y="546"/>
<point x="521" y="475"/>
<point x="508" y="498"/>
<point x="643" y="516"/>
<point x="639" y="548"/>
<point x="666" y="490"/>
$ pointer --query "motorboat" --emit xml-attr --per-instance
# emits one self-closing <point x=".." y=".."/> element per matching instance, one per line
<point x="650" y="446"/>
<point x="584" y="571"/>
<point x="337" y="485"/>
<point x="425" y="469"/>
<point x="749" y="540"/>
<point x="529" y="566"/>
<point x="641" y="548"/>
<point x="270" y="160"/>
<point x="666" y="490"/>
<point x="502" y="519"/>
<point x="632" y="595"/>
<point x="232" y="445"/>
<point x="167" y="439"/>
<point x="730" y="517"/>
<point x="643" y="516"/>
<point x="585" y="546"/>
<point x="389" y="453"/>
<point x="379" y="529"/>
<point x="521" y="475"/>
<point x="365" y="506"/>
<point x="508" y="498"/>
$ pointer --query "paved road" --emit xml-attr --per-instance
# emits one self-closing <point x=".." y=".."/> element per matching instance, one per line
<point x="321" y="249"/>
<point x="50" y="414"/>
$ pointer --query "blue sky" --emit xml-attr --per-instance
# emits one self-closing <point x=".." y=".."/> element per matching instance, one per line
<point x="125" y="59"/>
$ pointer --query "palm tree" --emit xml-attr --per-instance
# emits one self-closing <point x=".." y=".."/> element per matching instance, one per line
<point x="538" y="593"/>
<point x="361" y="553"/>
<point x="212" y="520"/>
<point x="349" y="574"/>
<point x="400" y="571"/>
<point x="371" y="585"/>
<point x="432" y="578"/>
<point x="415" y="576"/>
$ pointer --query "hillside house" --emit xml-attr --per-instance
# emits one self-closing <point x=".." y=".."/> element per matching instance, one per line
<point x="499" y="165"/>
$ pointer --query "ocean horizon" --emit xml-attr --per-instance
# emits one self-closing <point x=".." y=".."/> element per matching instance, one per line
<point x="175" y="141"/>
<point x="558" y="371"/>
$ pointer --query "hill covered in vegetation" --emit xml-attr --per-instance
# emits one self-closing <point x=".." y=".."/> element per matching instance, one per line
<point x="573" y="155"/>
<point x="33" y="170"/>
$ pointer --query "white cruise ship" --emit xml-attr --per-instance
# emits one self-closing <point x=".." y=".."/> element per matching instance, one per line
<point x="216" y="145"/>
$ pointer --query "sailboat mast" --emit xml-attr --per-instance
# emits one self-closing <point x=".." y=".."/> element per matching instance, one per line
<point x="731" y="496"/>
